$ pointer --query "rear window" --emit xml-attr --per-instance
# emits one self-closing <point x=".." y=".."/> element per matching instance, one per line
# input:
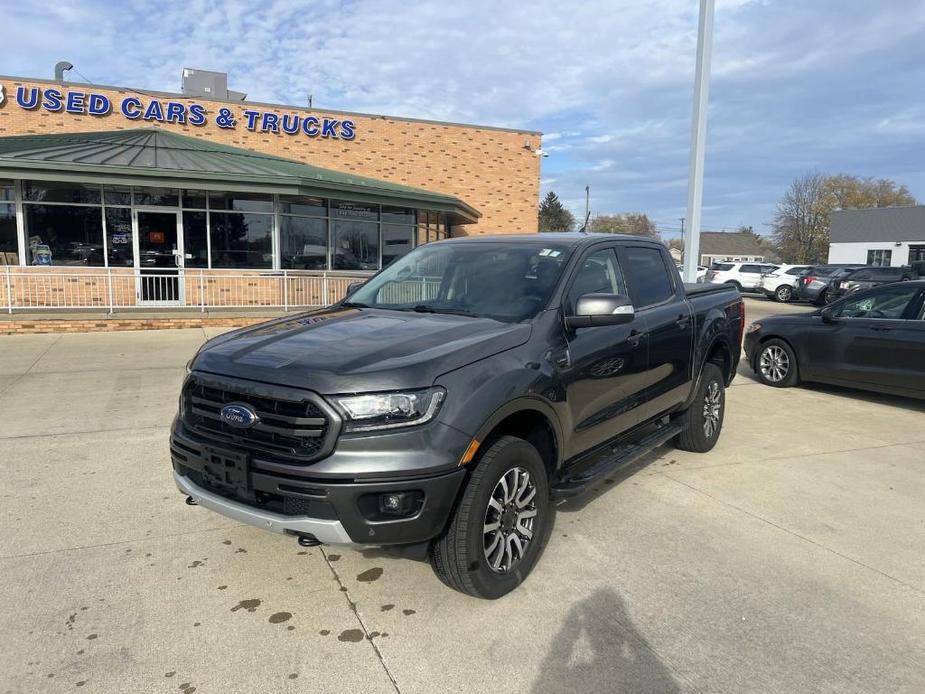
<point x="722" y="267"/>
<point x="822" y="271"/>
<point x="861" y="275"/>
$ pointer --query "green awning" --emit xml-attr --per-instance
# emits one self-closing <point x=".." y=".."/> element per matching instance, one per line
<point x="155" y="157"/>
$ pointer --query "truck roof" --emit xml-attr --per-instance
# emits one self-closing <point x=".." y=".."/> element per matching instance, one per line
<point x="569" y="238"/>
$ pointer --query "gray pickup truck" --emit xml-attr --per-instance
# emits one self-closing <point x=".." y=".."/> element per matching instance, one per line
<point x="453" y="398"/>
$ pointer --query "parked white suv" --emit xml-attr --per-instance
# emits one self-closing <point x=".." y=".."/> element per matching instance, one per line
<point x="780" y="284"/>
<point x="745" y="276"/>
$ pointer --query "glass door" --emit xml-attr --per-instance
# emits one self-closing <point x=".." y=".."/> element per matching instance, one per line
<point x="159" y="258"/>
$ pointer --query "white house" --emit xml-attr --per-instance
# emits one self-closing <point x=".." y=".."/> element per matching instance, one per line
<point x="892" y="236"/>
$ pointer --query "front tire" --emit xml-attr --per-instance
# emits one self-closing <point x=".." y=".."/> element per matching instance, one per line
<point x="703" y="420"/>
<point x="783" y="294"/>
<point x="776" y="364"/>
<point x="500" y="526"/>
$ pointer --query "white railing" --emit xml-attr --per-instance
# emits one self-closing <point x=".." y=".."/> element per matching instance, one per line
<point x="117" y="289"/>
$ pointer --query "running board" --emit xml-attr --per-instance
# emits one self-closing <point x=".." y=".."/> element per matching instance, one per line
<point x="572" y="486"/>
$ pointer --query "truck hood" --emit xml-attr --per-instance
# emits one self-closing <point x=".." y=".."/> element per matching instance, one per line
<point x="341" y="350"/>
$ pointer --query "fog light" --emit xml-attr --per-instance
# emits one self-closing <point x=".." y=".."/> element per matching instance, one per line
<point x="398" y="503"/>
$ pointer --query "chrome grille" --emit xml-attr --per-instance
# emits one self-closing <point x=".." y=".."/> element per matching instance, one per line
<point x="292" y="424"/>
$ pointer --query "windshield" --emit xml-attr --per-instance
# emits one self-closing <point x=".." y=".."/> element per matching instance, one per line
<point x="509" y="282"/>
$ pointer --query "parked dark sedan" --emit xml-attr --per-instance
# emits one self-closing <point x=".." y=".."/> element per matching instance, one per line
<point x="870" y="277"/>
<point x="873" y="339"/>
<point x="817" y="284"/>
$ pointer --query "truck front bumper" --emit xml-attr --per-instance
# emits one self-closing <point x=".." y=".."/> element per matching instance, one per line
<point x="339" y="511"/>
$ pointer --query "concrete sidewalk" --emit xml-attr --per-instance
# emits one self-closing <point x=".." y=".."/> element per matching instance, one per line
<point x="789" y="559"/>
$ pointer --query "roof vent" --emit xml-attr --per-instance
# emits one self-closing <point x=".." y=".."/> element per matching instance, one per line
<point x="208" y="84"/>
<point x="60" y="68"/>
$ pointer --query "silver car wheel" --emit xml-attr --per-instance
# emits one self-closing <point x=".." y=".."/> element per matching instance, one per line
<point x="774" y="363"/>
<point x="509" y="520"/>
<point x="712" y="409"/>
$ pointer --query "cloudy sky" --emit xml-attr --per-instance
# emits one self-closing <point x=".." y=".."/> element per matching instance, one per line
<point x="798" y="85"/>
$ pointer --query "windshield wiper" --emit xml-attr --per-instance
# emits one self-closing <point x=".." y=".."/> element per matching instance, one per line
<point x="354" y="304"/>
<point x="424" y="308"/>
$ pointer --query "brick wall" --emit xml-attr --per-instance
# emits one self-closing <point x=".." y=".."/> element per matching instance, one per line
<point x="489" y="169"/>
<point x="89" y="325"/>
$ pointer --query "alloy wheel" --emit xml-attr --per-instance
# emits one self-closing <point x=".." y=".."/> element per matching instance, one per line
<point x="510" y="520"/>
<point x="784" y="294"/>
<point x="774" y="363"/>
<point x="712" y="409"/>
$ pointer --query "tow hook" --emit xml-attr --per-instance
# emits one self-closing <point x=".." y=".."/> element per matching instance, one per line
<point x="190" y="501"/>
<point x="308" y="541"/>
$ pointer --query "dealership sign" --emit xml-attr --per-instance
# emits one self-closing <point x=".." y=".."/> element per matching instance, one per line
<point x="181" y="112"/>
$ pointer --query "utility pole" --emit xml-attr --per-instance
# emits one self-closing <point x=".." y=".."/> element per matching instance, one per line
<point x="682" y="226"/>
<point x="698" y="138"/>
<point x="587" y="202"/>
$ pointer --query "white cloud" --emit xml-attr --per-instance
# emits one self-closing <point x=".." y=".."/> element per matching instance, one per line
<point x="829" y="85"/>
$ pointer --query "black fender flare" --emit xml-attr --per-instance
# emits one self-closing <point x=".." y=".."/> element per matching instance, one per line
<point x="526" y="403"/>
<point x="718" y="340"/>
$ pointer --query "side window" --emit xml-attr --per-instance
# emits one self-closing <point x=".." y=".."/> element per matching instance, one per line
<point x="599" y="273"/>
<point x="888" y="302"/>
<point x="750" y="269"/>
<point x="796" y="271"/>
<point x="648" y="277"/>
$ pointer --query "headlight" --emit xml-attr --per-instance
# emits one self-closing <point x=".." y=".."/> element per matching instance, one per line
<point x="754" y="327"/>
<point x="389" y="410"/>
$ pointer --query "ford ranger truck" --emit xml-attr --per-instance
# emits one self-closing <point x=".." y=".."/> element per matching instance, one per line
<point x="454" y="398"/>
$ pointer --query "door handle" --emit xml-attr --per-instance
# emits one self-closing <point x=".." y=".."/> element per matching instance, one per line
<point x="882" y="329"/>
<point x="635" y="337"/>
<point x="683" y="321"/>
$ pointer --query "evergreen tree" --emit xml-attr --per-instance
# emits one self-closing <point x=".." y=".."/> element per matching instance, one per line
<point x="553" y="216"/>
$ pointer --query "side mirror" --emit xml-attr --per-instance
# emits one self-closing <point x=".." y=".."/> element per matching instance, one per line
<point x="352" y="287"/>
<point x="827" y="315"/>
<point x="601" y="309"/>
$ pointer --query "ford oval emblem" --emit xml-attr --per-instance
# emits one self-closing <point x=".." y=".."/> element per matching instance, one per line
<point x="238" y="415"/>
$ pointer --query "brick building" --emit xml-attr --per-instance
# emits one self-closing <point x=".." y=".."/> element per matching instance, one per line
<point x="188" y="191"/>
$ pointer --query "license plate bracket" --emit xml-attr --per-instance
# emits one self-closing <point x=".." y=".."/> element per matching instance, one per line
<point x="225" y="469"/>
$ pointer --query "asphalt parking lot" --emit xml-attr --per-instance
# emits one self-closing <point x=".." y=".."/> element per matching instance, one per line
<point x="789" y="559"/>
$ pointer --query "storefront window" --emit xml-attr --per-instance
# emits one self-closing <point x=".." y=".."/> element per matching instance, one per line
<point x="194" y="239"/>
<point x="398" y="215"/>
<point x="303" y="243"/>
<point x="241" y="240"/>
<point x="119" y="237"/>
<point x="52" y="191"/>
<point x="158" y="197"/>
<point x="354" y="210"/>
<point x="303" y="205"/>
<point x="194" y="199"/>
<point x="396" y="241"/>
<point x="244" y="202"/>
<point x="9" y="248"/>
<point x="356" y="245"/>
<point x="64" y="235"/>
<point x="117" y="195"/>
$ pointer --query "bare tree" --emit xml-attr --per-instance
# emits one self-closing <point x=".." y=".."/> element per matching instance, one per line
<point x="635" y="223"/>
<point x="801" y="222"/>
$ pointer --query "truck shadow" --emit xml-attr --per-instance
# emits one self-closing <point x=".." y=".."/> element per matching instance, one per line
<point x="598" y="649"/>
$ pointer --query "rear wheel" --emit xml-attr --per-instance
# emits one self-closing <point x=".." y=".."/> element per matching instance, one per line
<point x="736" y="285"/>
<point x="500" y="526"/>
<point x="703" y="420"/>
<point x="784" y="293"/>
<point x="776" y="364"/>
